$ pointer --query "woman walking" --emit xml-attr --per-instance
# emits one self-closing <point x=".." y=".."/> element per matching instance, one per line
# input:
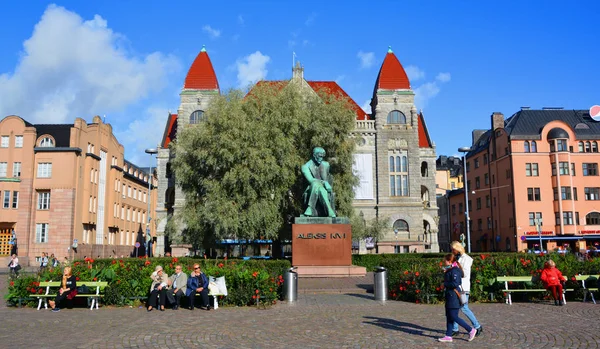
<point x="452" y="280"/>
<point x="466" y="262"/>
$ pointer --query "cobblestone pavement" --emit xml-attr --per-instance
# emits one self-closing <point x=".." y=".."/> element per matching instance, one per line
<point x="314" y="321"/>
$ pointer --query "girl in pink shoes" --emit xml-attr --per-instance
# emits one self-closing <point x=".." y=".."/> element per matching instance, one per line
<point x="452" y="281"/>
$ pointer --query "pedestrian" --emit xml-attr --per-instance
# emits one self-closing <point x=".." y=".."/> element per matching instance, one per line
<point x="466" y="263"/>
<point x="54" y="261"/>
<point x="553" y="281"/>
<point x="14" y="265"/>
<point x="43" y="262"/>
<point x="452" y="281"/>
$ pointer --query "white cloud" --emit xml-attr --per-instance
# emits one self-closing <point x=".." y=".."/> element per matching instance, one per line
<point x="305" y="42"/>
<point x="213" y="33"/>
<point x="366" y="106"/>
<point x="252" y="68"/>
<point x="366" y="59"/>
<point x="149" y="138"/>
<point x="443" y="77"/>
<point x="74" y="68"/>
<point x="414" y="73"/>
<point x="311" y="19"/>
<point x="291" y="43"/>
<point x="429" y="90"/>
<point x="241" y="20"/>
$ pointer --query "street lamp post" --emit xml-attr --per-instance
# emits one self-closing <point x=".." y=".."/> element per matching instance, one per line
<point x="538" y="223"/>
<point x="465" y="150"/>
<point x="150" y="151"/>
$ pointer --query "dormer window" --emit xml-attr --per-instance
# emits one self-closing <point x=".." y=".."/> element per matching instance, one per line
<point x="47" y="142"/>
<point x="396" y="117"/>
<point x="196" y="117"/>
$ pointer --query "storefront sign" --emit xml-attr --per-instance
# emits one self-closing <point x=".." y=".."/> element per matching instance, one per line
<point x="584" y="232"/>
<point x="536" y="233"/>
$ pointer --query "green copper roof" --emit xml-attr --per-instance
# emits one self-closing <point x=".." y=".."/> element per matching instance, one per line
<point x="203" y="48"/>
<point x="390" y="49"/>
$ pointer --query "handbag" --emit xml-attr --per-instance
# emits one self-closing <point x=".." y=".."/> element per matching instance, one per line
<point x="83" y="289"/>
<point x="72" y="294"/>
<point x="462" y="297"/>
<point x="18" y="267"/>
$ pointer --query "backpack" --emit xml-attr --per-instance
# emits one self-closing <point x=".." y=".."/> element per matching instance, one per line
<point x="83" y="289"/>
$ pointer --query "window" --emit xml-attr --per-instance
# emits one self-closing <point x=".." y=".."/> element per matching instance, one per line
<point x="122" y="212"/>
<point x="196" y="117"/>
<point x="580" y="147"/>
<point x="396" y="117"/>
<point x="594" y="147"/>
<point x="565" y="193"/>
<point x="6" y="199"/>
<point x="531" y="169"/>
<point x="468" y="166"/>
<point x="561" y="145"/>
<point x="485" y="159"/>
<point x="134" y="193"/>
<point x="477" y="183"/>
<point x="44" y="170"/>
<point x="486" y="179"/>
<point x="533" y="216"/>
<point x="563" y="168"/>
<point x="479" y="224"/>
<point x="478" y="201"/>
<point x="129" y="191"/>
<point x="15" y="200"/>
<point x="400" y="225"/>
<point x="146" y="194"/>
<point x="460" y="208"/>
<point x="592" y="193"/>
<point x="16" y="169"/>
<point x="43" y="200"/>
<point x="533" y="194"/>
<point x="470" y="206"/>
<point x="592" y="218"/>
<point x="124" y="190"/>
<point x="3" y="169"/>
<point x="589" y="169"/>
<point x="572" y="169"/>
<point x="489" y="223"/>
<point x="477" y="163"/>
<point x="41" y="232"/>
<point x="568" y="218"/>
<point x="526" y="147"/>
<point x="533" y="147"/>
<point x="399" y="175"/>
<point x="487" y="201"/>
<point x="46" y="142"/>
<point x="587" y="147"/>
<point x="18" y="141"/>
<point x="5" y="140"/>
<point x="454" y="210"/>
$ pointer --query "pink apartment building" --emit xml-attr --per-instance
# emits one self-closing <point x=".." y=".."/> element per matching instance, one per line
<point x="69" y="185"/>
<point x="532" y="175"/>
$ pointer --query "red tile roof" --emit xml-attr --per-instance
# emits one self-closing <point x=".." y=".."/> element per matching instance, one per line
<point x="201" y="75"/>
<point x="334" y="88"/>
<point x="392" y="75"/>
<point x="424" y="140"/>
<point x="171" y="131"/>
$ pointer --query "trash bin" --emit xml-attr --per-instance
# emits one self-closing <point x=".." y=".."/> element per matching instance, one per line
<point x="380" y="285"/>
<point x="290" y="285"/>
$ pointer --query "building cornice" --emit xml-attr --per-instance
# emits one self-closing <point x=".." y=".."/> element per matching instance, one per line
<point x="10" y="179"/>
<point x="56" y="150"/>
<point x="92" y="155"/>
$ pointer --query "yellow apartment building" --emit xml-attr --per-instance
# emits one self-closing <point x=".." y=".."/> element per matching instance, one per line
<point x="67" y="190"/>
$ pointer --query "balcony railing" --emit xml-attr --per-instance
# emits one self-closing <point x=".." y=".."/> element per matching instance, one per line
<point x="365" y="125"/>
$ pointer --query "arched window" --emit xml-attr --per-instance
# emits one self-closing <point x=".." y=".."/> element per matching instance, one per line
<point x="592" y="218"/>
<point x="594" y="147"/>
<point x="581" y="147"/>
<point x="424" y="169"/>
<point x="196" y="117"/>
<point x="533" y="147"/>
<point x="399" y="174"/>
<point x="392" y="168"/>
<point x="587" y="147"/>
<point x="526" y="145"/>
<point x="47" y="142"/>
<point x="400" y="225"/>
<point x="404" y="164"/>
<point x="396" y="117"/>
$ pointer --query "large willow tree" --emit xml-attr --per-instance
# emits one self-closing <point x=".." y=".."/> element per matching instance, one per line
<point x="240" y="169"/>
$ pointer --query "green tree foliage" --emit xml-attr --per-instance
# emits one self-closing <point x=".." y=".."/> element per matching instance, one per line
<point x="240" y="169"/>
<point x="374" y="228"/>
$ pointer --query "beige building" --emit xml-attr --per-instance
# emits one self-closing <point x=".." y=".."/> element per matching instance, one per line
<point x="67" y="189"/>
<point x="448" y="174"/>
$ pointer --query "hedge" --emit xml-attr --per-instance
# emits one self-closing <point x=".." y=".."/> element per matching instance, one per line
<point x="250" y="282"/>
<point x="418" y="277"/>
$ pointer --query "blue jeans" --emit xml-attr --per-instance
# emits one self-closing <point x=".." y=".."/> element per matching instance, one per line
<point x="469" y="314"/>
<point x="453" y="318"/>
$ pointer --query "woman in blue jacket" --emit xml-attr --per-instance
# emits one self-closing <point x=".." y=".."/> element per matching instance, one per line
<point x="452" y="282"/>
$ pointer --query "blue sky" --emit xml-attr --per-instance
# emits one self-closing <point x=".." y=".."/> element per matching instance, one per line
<point x="127" y="59"/>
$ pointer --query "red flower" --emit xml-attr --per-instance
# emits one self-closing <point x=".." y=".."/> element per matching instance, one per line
<point x="418" y="291"/>
<point x="417" y="274"/>
<point x="220" y="265"/>
<point x="417" y="301"/>
<point x="255" y="274"/>
<point x="90" y="266"/>
<point x="437" y="289"/>
<point x="114" y="261"/>
<point x="225" y="258"/>
<point x="33" y="290"/>
<point x="573" y="279"/>
<point x="12" y="283"/>
<point x="256" y="291"/>
<point x="147" y="262"/>
<point x="40" y="291"/>
<point x="175" y="260"/>
<point x="95" y="279"/>
<point x="77" y="278"/>
<point x="542" y="254"/>
<point x="482" y="257"/>
<point x="253" y="297"/>
<point x="271" y="289"/>
<point x="477" y="281"/>
<point x="406" y="272"/>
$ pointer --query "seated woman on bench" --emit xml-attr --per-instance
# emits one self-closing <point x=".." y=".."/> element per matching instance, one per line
<point x="158" y="288"/>
<point x="554" y="281"/>
<point x="67" y="291"/>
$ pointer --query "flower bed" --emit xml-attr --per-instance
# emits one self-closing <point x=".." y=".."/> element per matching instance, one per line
<point x="248" y="282"/>
<point x="418" y="277"/>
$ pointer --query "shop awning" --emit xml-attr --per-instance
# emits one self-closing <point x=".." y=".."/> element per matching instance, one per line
<point x="537" y="238"/>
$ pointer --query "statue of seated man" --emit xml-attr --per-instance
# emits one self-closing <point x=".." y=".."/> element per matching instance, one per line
<point x="319" y="191"/>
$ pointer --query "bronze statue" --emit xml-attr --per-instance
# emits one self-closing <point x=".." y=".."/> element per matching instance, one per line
<point x="318" y="197"/>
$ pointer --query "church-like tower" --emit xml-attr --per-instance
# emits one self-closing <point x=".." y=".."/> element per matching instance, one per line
<point x="200" y="87"/>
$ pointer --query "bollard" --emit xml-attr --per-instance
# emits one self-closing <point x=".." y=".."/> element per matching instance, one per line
<point x="380" y="289"/>
<point x="290" y="285"/>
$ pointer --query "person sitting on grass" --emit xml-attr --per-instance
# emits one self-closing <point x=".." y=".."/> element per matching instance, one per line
<point x="67" y="291"/>
<point x="553" y="281"/>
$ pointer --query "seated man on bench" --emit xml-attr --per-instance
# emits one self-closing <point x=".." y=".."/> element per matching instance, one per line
<point x="198" y="283"/>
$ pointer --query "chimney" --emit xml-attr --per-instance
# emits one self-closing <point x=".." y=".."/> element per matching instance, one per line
<point x="476" y="135"/>
<point x="497" y="120"/>
<point x="298" y="71"/>
<point x="525" y="108"/>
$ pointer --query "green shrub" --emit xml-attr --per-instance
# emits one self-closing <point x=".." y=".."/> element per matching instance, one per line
<point x="248" y="282"/>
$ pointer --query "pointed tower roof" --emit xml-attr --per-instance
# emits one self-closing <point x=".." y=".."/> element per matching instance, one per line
<point x="392" y="75"/>
<point x="201" y="75"/>
<point x="424" y="139"/>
